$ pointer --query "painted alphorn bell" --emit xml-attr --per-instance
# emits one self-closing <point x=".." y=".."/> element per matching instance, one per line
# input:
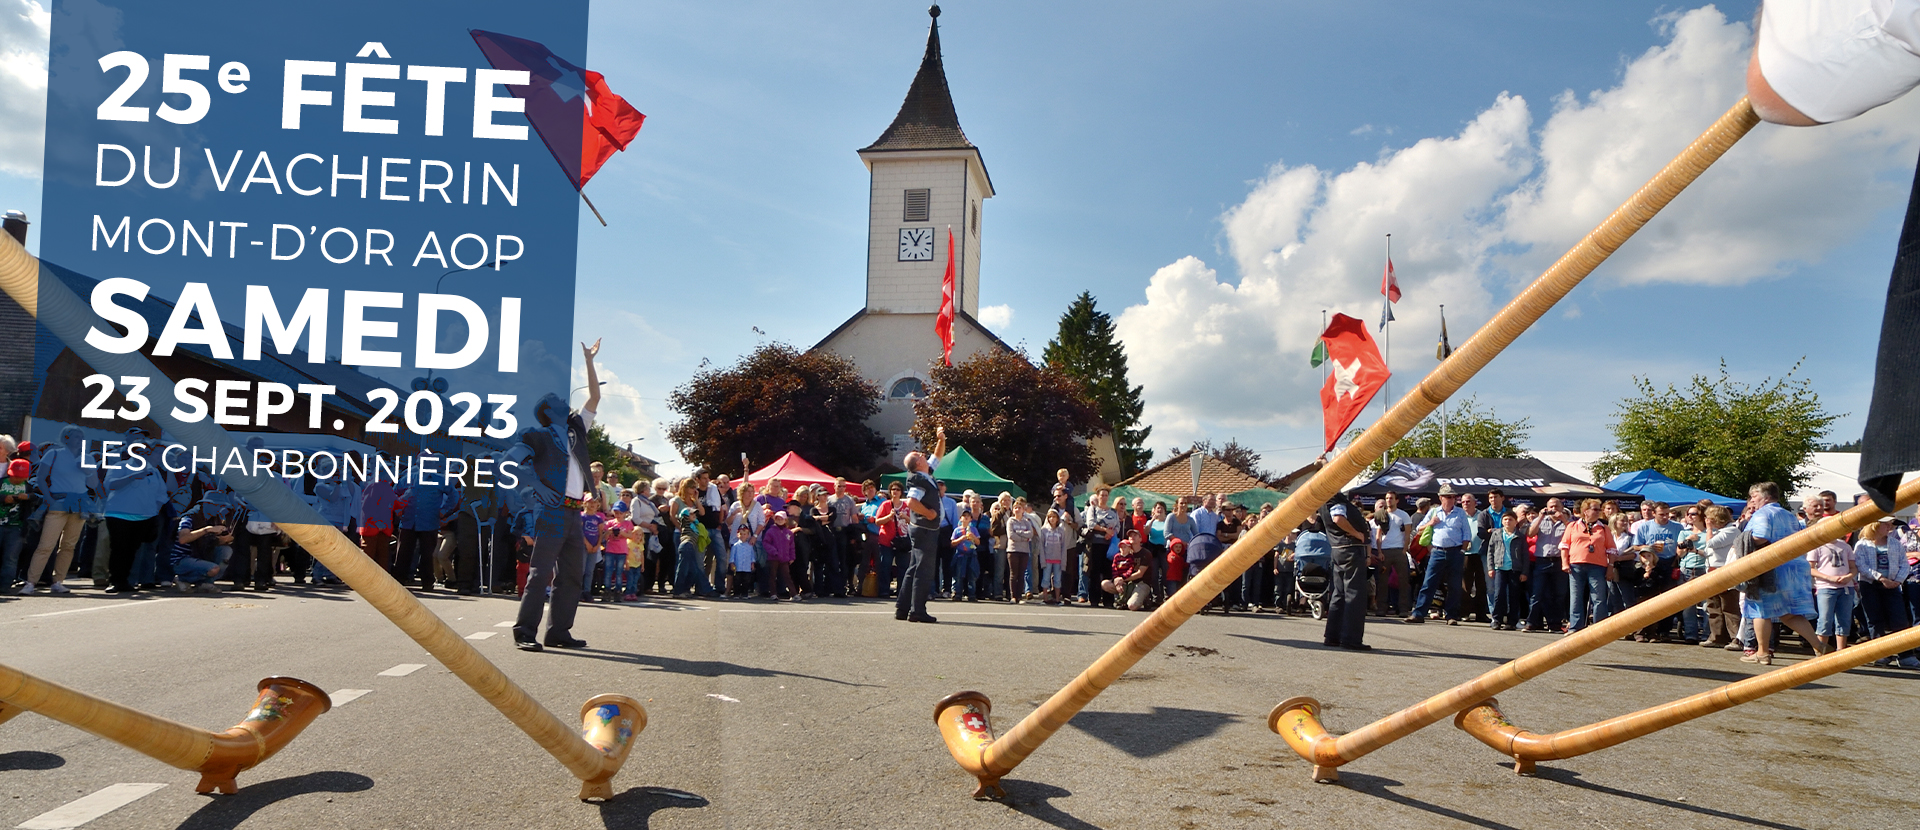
<point x="963" y="718"/>
<point x="283" y="709"/>
<point x="1297" y="719"/>
<point x="50" y="301"/>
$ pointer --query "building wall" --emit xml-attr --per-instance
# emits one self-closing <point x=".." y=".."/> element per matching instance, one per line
<point x="957" y="185"/>
<point x="888" y="347"/>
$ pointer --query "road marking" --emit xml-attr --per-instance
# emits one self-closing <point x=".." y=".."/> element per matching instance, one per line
<point x="80" y="811"/>
<point x="346" y="696"/>
<point x="507" y="624"/>
<point x="481" y="635"/>
<point x="105" y="608"/>
<point x="403" y="670"/>
<point x="723" y="697"/>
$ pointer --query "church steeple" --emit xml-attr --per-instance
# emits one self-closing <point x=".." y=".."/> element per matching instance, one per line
<point x="926" y="120"/>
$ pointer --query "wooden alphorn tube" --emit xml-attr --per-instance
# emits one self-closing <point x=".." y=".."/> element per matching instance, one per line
<point x="996" y="757"/>
<point x="54" y="304"/>
<point x="283" y="709"/>
<point x="1297" y="719"/>
<point x="1485" y="721"/>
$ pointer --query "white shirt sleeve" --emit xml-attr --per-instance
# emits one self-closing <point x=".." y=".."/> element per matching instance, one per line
<point x="1835" y="59"/>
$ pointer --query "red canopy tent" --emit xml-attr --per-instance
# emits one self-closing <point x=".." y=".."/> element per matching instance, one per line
<point x="792" y="471"/>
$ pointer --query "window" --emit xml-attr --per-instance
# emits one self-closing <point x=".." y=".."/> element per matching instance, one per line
<point x="917" y="205"/>
<point x="975" y="223"/>
<point x="909" y="388"/>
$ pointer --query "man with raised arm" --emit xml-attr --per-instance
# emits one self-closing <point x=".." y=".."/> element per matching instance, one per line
<point x="558" y="448"/>
<point x="1817" y="63"/>
<point x="923" y="501"/>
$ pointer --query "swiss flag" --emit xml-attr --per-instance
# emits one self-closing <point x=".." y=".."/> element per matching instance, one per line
<point x="943" y="325"/>
<point x="1356" y="376"/>
<point x="581" y="121"/>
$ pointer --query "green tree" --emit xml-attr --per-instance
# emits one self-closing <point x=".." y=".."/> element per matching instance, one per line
<point x="602" y="449"/>
<point x="776" y="399"/>
<point x="1719" y="435"/>
<point x="1470" y="433"/>
<point x="1085" y="348"/>
<point x="1022" y="421"/>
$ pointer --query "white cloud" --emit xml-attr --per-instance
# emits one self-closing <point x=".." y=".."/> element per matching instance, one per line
<point x="628" y="419"/>
<point x="23" y="85"/>
<point x="1475" y="213"/>
<point x="996" y="317"/>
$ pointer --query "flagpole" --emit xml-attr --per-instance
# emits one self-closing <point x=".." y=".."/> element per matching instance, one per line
<point x="1443" y="404"/>
<point x="596" y="211"/>
<point x="1386" y="334"/>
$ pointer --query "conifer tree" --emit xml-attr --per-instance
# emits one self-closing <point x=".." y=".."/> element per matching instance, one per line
<point x="1085" y="348"/>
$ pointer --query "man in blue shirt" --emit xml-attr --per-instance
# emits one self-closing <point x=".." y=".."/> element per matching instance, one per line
<point x="1654" y="539"/>
<point x="1451" y="533"/>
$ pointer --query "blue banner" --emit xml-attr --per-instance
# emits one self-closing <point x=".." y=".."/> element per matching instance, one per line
<point x="331" y="229"/>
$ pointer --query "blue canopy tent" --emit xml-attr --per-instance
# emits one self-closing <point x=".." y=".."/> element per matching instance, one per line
<point x="1651" y="485"/>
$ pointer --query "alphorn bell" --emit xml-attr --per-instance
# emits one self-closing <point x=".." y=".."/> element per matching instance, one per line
<point x="988" y="757"/>
<point x="282" y="710"/>
<point x="55" y="306"/>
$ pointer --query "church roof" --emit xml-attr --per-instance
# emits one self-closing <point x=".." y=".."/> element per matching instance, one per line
<point x="926" y="120"/>
<point x="958" y="314"/>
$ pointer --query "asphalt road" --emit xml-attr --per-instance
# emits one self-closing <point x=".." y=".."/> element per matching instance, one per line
<point x="818" y="715"/>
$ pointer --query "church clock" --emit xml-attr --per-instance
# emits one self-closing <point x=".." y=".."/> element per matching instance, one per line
<point x="916" y="244"/>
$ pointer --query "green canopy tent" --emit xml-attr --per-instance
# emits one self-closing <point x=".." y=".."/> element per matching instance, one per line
<point x="1252" y="499"/>
<point x="962" y="472"/>
<point x="1129" y="493"/>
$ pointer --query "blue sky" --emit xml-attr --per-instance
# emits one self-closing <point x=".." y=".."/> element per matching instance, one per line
<point x="1217" y="174"/>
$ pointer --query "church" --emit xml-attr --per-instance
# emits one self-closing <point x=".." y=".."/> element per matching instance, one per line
<point x="926" y="179"/>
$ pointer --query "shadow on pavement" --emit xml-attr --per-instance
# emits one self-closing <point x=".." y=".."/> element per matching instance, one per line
<point x="225" y="812"/>
<point x="1716" y="675"/>
<point x="1031" y="799"/>
<point x="1146" y="734"/>
<point x="27" y="759"/>
<point x="695" y="668"/>
<point x="1377" y="649"/>
<point x="1571" y="778"/>
<point x="1031" y="629"/>
<point x="1378" y="787"/>
<point x="634" y="808"/>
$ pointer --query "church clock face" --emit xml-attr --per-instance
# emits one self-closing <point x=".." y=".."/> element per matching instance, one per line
<point x="916" y="244"/>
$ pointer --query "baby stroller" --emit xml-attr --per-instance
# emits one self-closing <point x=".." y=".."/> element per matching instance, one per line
<point x="1312" y="573"/>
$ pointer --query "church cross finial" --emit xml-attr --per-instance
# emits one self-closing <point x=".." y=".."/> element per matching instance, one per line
<point x="933" y="11"/>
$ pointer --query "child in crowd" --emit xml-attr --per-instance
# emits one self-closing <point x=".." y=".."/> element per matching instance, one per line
<point x="1834" y="575"/>
<point x="1176" y="565"/>
<point x="593" y="515"/>
<point x="15" y="504"/>
<point x="966" y="558"/>
<point x="779" y="546"/>
<point x="1053" y="557"/>
<point x="617" y="535"/>
<point x="1129" y="574"/>
<point x="1507" y="567"/>
<point x="743" y="559"/>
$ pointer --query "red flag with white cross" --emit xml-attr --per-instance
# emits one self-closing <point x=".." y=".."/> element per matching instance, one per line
<point x="1357" y="374"/>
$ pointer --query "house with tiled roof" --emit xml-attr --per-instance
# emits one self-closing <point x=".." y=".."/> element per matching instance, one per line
<point x="1174" y="477"/>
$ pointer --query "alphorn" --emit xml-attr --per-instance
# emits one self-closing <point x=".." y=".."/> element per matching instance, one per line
<point x="963" y="718"/>
<point x="49" y="300"/>
<point x="283" y="709"/>
<point x="1486" y="722"/>
<point x="1297" y="719"/>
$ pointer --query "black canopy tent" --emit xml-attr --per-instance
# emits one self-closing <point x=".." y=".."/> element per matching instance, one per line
<point x="1524" y="480"/>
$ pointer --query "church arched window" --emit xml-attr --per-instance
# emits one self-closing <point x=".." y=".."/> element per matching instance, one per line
<point x="908" y="387"/>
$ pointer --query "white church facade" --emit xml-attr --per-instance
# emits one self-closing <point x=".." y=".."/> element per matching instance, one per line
<point x="926" y="179"/>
